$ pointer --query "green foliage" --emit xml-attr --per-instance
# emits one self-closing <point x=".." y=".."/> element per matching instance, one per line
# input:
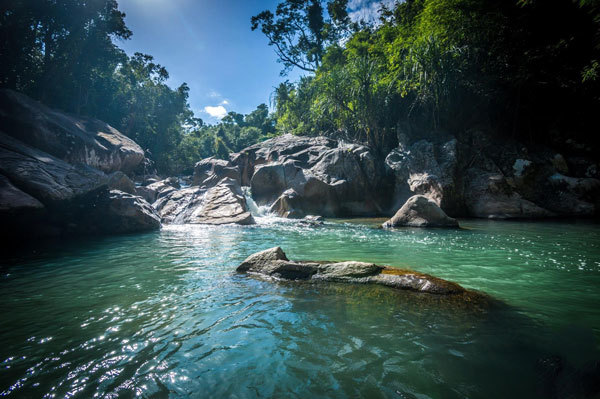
<point x="62" y="53"/>
<point x="234" y="133"/>
<point x="518" y="67"/>
<point x="300" y="32"/>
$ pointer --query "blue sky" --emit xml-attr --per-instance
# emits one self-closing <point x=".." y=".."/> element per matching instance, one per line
<point x="209" y="45"/>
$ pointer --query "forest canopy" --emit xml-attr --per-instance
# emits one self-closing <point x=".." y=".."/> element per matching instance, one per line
<point x="519" y="68"/>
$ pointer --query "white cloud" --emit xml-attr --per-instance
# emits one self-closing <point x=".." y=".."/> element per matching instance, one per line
<point x="224" y="102"/>
<point x="216" y="112"/>
<point x="367" y="10"/>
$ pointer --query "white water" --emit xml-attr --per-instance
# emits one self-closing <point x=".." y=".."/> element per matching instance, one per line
<point x="261" y="213"/>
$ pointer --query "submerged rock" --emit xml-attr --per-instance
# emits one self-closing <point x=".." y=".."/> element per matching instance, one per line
<point x="420" y="211"/>
<point x="274" y="263"/>
<point x="222" y="204"/>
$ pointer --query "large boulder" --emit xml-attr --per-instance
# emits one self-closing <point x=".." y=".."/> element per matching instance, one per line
<point x="41" y="195"/>
<point x="222" y="204"/>
<point x="425" y="168"/>
<point x="321" y="176"/>
<point x="14" y="201"/>
<point x="156" y="190"/>
<point x="489" y="195"/>
<point x="120" y="181"/>
<point x="43" y="176"/>
<point x="274" y="263"/>
<point x="118" y="212"/>
<point x="420" y="211"/>
<point x="210" y="171"/>
<point x="70" y="138"/>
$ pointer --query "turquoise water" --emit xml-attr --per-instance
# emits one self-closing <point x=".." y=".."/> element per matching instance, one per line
<point x="165" y="315"/>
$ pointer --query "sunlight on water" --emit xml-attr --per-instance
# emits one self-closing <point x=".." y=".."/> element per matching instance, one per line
<point x="165" y="315"/>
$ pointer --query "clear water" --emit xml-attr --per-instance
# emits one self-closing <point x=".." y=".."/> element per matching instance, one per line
<point x="165" y="315"/>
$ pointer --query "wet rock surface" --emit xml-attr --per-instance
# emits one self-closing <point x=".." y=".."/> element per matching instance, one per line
<point x="274" y="263"/>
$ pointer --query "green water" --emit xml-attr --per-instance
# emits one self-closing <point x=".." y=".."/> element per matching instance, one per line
<point x="165" y="315"/>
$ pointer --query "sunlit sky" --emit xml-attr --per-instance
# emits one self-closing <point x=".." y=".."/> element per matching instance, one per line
<point x="209" y="45"/>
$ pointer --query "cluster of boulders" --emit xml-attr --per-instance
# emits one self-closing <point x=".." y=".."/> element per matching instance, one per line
<point x="66" y="174"/>
<point x="61" y="174"/>
<point x="475" y="175"/>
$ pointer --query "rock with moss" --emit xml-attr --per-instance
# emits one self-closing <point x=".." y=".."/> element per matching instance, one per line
<point x="274" y="263"/>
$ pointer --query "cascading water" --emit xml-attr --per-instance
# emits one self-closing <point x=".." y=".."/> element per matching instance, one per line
<point x="259" y="212"/>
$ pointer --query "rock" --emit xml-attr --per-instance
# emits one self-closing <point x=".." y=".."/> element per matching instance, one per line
<point x="43" y="176"/>
<point x="222" y="204"/>
<point x="72" y="139"/>
<point x="425" y="168"/>
<point x="420" y="211"/>
<point x="15" y="201"/>
<point x="288" y="205"/>
<point x="346" y="270"/>
<point x="312" y="220"/>
<point x="260" y="259"/>
<point x="119" y="212"/>
<point x="271" y="180"/>
<point x="488" y="195"/>
<point x="274" y="263"/>
<point x="47" y="196"/>
<point x="119" y="181"/>
<point x="210" y="171"/>
<point x="158" y="189"/>
<point x="325" y="177"/>
<point x="476" y="174"/>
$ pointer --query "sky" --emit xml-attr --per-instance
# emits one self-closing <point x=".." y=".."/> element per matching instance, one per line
<point x="209" y="45"/>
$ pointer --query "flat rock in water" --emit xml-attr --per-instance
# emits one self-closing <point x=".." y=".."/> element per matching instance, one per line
<point x="274" y="263"/>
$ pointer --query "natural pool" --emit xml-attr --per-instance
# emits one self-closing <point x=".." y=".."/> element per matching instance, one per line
<point x="165" y="315"/>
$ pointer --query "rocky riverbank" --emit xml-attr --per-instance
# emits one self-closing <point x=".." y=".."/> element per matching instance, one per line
<point x="61" y="174"/>
<point x="57" y="174"/>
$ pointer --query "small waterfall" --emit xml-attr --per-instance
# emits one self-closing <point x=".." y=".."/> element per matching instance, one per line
<point x="255" y="210"/>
